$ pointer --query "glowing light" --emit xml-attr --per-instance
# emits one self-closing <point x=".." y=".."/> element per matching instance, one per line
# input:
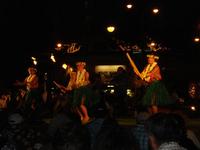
<point x="33" y="58"/>
<point x="110" y="86"/>
<point x="110" y="28"/>
<point x="112" y="91"/>
<point x="155" y="10"/>
<point x="53" y="58"/>
<point x="108" y="68"/>
<point x="197" y="39"/>
<point x="105" y="91"/>
<point x="64" y="66"/>
<point x="193" y="108"/>
<point x="59" y="45"/>
<point x="129" y="93"/>
<point x="152" y="43"/>
<point x="129" y="6"/>
<point x="34" y="62"/>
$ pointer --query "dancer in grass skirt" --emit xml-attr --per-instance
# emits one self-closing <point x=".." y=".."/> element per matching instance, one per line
<point x="83" y="96"/>
<point x="156" y="94"/>
<point x="149" y="81"/>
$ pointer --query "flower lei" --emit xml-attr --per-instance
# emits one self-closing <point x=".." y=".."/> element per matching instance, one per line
<point x="148" y="69"/>
<point x="30" y="78"/>
<point x="29" y="81"/>
<point x="80" y="78"/>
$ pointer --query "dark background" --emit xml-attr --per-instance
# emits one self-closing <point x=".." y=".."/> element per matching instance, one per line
<point x="32" y="28"/>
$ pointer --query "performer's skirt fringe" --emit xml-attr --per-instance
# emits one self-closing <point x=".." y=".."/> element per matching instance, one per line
<point x="156" y="94"/>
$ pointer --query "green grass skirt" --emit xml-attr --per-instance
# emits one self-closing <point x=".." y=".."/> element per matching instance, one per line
<point x="156" y="94"/>
<point x="90" y="97"/>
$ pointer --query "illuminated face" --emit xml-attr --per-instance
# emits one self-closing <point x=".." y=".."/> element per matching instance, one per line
<point x="31" y="71"/>
<point x="80" y="66"/>
<point x="151" y="60"/>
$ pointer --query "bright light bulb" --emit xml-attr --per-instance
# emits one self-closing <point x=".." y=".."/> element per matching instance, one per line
<point x="59" y="45"/>
<point x="196" y="39"/>
<point x="155" y="10"/>
<point x="110" y="28"/>
<point x="153" y="44"/>
<point x="129" y="6"/>
<point x="193" y="108"/>
<point x="64" y="66"/>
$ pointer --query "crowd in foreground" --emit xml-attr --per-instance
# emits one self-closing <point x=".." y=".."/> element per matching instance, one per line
<point x="64" y="130"/>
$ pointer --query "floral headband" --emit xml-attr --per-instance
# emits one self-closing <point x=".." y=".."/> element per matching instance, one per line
<point x="153" y="56"/>
<point x="81" y="63"/>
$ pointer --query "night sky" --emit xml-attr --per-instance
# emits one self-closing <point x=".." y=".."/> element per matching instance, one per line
<point x="34" y="27"/>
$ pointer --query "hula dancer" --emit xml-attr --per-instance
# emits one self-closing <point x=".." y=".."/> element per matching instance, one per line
<point x="156" y="93"/>
<point x="32" y="95"/>
<point x="82" y="92"/>
<point x="150" y="78"/>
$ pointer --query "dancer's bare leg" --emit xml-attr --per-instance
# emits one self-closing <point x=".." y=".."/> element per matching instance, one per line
<point x="79" y="113"/>
<point x="85" y="113"/>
